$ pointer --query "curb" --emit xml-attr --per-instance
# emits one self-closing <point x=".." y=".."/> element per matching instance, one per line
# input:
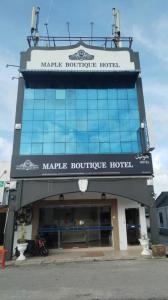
<point x="77" y="260"/>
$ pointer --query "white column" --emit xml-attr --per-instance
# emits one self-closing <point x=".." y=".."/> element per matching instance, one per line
<point x="122" y="225"/>
<point x="142" y="220"/>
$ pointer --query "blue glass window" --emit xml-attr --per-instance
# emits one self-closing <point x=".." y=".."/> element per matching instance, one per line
<point x="27" y="126"/>
<point x="81" y="114"/>
<point x="104" y="147"/>
<point x="60" y="148"/>
<point x="26" y="136"/>
<point x="115" y="147"/>
<point x="102" y="104"/>
<point x="81" y="94"/>
<point x="70" y="104"/>
<point x="104" y="136"/>
<point x="50" y="104"/>
<point x="92" y="94"/>
<point x="48" y="148"/>
<point x="82" y="125"/>
<point x="112" y="94"/>
<point x="29" y="94"/>
<point x="112" y="104"/>
<point x="38" y="126"/>
<point x="103" y="125"/>
<point x="70" y="137"/>
<point x="122" y="94"/>
<point x="93" y="125"/>
<point x="81" y="104"/>
<point x="103" y="114"/>
<point x="59" y="104"/>
<point x="49" y="126"/>
<point x="102" y="94"/>
<point x="114" y="136"/>
<point x="59" y="115"/>
<point x="93" y="147"/>
<point x="82" y="148"/>
<point x="60" y="94"/>
<point x="93" y="136"/>
<point x="37" y="137"/>
<point x="126" y="147"/>
<point x="49" y="137"/>
<point x="37" y="148"/>
<point x="71" y="114"/>
<point x="28" y="114"/>
<point x="79" y="121"/>
<point x="39" y="104"/>
<point x="92" y="104"/>
<point x="71" y="126"/>
<point x="92" y="114"/>
<point x="39" y="94"/>
<point x="38" y="114"/>
<point x="50" y="94"/>
<point x="113" y="114"/>
<point x="49" y="115"/>
<point x="59" y="137"/>
<point x="28" y="103"/>
<point x="70" y="148"/>
<point x="25" y="149"/>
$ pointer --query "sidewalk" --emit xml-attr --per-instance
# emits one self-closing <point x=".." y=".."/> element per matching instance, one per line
<point x="81" y="254"/>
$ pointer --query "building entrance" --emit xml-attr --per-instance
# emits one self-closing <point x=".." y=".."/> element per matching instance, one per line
<point x="133" y="226"/>
<point x="72" y="227"/>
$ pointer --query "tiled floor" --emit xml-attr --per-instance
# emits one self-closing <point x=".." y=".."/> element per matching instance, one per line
<point x="82" y="254"/>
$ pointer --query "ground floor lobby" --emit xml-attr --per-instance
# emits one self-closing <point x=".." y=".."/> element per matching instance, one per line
<point x="113" y="223"/>
<point x="107" y="213"/>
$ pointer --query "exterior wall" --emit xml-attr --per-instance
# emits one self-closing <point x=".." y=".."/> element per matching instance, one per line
<point x="122" y="205"/>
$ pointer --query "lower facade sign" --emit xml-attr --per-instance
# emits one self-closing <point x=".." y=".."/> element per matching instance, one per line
<point x="81" y="165"/>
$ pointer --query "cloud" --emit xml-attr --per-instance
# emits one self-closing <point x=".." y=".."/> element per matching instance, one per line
<point x="160" y="161"/>
<point x="155" y="89"/>
<point x="154" y="38"/>
<point x="8" y="92"/>
<point x="5" y="149"/>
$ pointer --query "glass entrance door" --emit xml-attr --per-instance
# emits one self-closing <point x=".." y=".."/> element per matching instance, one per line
<point x="80" y="226"/>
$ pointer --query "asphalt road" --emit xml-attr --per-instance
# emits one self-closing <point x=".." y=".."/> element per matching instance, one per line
<point x="133" y="279"/>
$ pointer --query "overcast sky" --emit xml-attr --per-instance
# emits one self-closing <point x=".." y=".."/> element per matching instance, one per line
<point x="145" y="20"/>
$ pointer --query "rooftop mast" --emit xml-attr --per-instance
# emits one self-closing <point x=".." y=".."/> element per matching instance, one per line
<point x="116" y="31"/>
<point x="34" y="25"/>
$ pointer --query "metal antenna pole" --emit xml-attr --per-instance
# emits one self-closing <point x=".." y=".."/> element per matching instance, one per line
<point x="46" y="25"/>
<point x="91" y="24"/>
<point x="69" y="33"/>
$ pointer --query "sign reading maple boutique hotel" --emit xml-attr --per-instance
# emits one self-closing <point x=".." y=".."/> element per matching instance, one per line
<point x="80" y="59"/>
<point x="83" y="165"/>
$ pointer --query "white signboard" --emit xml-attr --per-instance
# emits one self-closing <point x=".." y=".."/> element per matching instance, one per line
<point x="80" y="59"/>
<point x="2" y="185"/>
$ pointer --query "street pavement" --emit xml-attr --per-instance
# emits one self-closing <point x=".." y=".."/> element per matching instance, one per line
<point x="101" y="280"/>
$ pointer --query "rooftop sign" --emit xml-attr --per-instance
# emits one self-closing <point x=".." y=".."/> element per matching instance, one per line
<point x="80" y="59"/>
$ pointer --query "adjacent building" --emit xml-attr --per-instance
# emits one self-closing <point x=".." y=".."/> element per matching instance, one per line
<point x="162" y="212"/>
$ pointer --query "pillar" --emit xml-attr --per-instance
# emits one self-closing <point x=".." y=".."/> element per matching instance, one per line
<point x="115" y="231"/>
<point x="154" y="224"/>
<point x="35" y="221"/>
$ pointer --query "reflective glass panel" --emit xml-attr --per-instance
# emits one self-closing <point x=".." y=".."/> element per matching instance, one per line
<point x="72" y="121"/>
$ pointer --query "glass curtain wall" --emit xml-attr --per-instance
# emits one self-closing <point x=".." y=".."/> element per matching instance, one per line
<point x="80" y="121"/>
